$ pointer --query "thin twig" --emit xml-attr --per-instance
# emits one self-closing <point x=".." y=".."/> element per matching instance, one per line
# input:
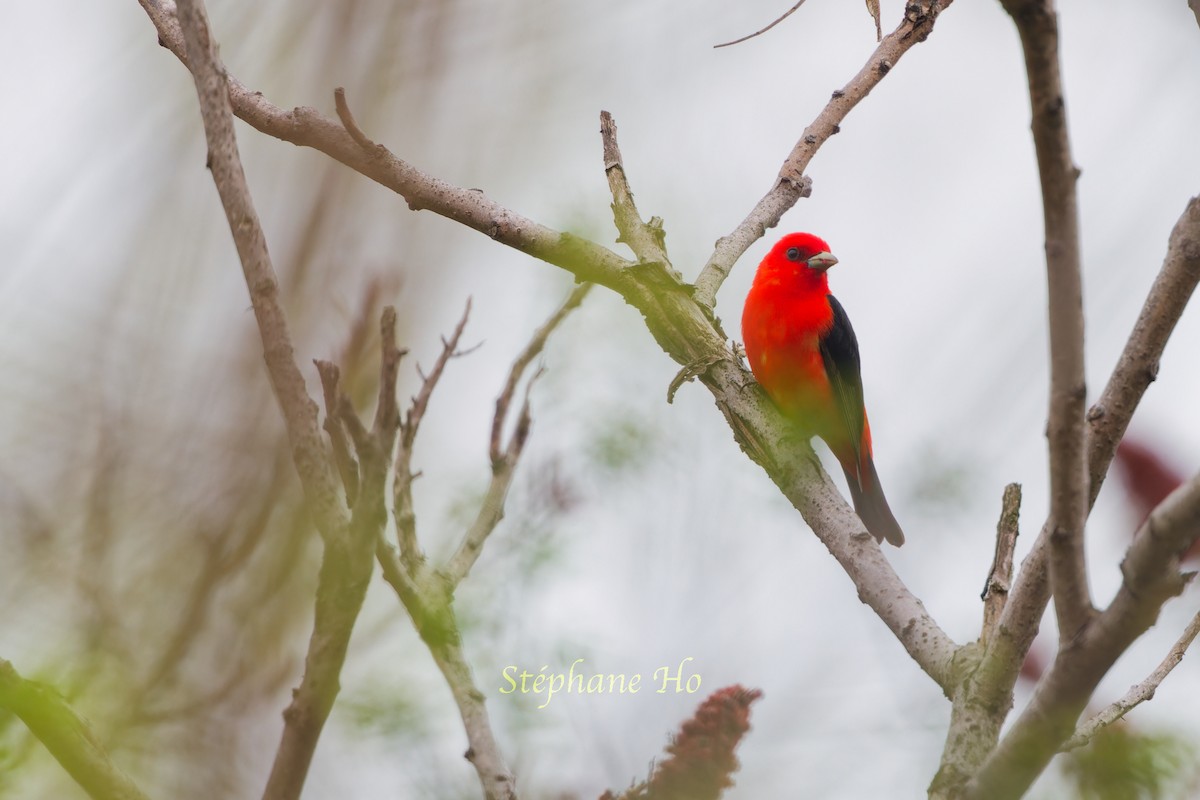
<point x="792" y="184"/>
<point x="761" y="31"/>
<point x="1138" y="693"/>
<point x="531" y="351"/>
<point x="412" y="420"/>
<point x="387" y="412"/>
<point x="347" y="118"/>
<point x="66" y="735"/>
<point x="995" y="590"/>
<point x="406" y="528"/>
<point x="347" y="466"/>
<point x="504" y="457"/>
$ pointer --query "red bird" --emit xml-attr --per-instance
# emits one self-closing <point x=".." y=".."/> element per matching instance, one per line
<point x="804" y="353"/>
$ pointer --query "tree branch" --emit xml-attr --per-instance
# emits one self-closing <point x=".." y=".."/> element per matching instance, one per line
<point x="347" y="466"/>
<point x="428" y="598"/>
<point x="406" y="520"/>
<point x="647" y="241"/>
<point x="1138" y="693"/>
<point x="791" y="183"/>
<point x="763" y="30"/>
<point x="995" y="590"/>
<point x="681" y="326"/>
<point x="504" y="457"/>
<point x="1137" y="367"/>
<point x="299" y="411"/>
<point x="345" y="569"/>
<point x="307" y="127"/>
<point x="349" y="543"/>
<point x="428" y="595"/>
<point x="67" y="735"/>
<point x="986" y="696"/>
<point x="1037" y="24"/>
<point x="1151" y="577"/>
<point x="1107" y="422"/>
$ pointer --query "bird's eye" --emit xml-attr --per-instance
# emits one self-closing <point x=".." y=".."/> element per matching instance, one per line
<point x="793" y="253"/>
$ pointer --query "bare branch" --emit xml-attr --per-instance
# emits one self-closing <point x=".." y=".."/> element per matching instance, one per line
<point x="406" y="525"/>
<point x="995" y="591"/>
<point x="1138" y="693"/>
<point x="299" y="411"/>
<point x="522" y="361"/>
<point x="646" y="241"/>
<point x="873" y="10"/>
<point x="504" y="457"/>
<point x="365" y="445"/>
<point x="792" y="184"/>
<point x="341" y="587"/>
<point x="482" y="751"/>
<point x="1108" y="420"/>
<point x="761" y="31"/>
<point x="429" y="603"/>
<point x="1151" y="577"/>
<point x="345" y="572"/>
<point x="1138" y="365"/>
<point x="346" y="566"/>
<point x="347" y="466"/>
<point x="307" y="127"/>
<point x="68" y="736"/>
<point x="408" y="430"/>
<point x="351" y="125"/>
<point x="387" y="412"/>
<point x="1037" y="24"/>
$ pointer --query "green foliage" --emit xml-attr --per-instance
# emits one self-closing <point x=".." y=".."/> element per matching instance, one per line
<point x="1123" y="764"/>
<point x="622" y="445"/>
<point x="384" y="710"/>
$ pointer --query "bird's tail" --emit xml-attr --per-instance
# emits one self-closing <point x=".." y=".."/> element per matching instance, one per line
<point x="869" y="502"/>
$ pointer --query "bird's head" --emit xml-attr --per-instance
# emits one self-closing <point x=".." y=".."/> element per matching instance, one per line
<point x="801" y="257"/>
<point x="803" y="248"/>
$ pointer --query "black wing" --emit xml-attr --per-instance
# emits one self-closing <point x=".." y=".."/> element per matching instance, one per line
<point x="839" y="351"/>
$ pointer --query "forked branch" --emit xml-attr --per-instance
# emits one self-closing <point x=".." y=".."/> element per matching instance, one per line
<point x="503" y="456"/>
<point x="1151" y="577"/>
<point x="1139" y="692"/>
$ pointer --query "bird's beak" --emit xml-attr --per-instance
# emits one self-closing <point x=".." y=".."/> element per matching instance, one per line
<point x="821" y="261"/>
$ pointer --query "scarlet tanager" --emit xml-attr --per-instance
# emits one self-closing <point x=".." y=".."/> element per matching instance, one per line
<point x="804" y="353"/>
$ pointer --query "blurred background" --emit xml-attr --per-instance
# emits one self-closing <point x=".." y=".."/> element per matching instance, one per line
<point x="156" y="566"/>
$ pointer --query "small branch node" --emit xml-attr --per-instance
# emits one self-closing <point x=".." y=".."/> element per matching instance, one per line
<point x="690" y="372"/>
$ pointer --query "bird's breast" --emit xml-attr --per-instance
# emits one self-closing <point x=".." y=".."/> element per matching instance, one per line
<point x="782" y="333"/>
